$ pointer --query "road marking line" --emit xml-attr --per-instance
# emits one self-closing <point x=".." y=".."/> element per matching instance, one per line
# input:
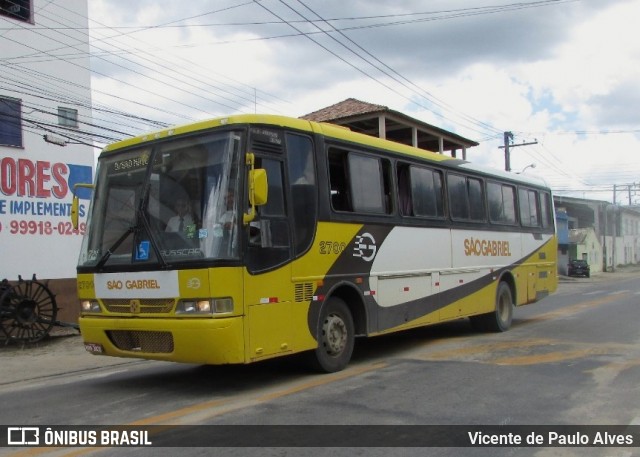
<point x="573" y="309"/>
<point x="199" y="411"/>
<point x="498" y="353"/>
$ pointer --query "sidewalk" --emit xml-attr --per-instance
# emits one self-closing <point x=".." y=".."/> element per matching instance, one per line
<point x="63" y="352"/>
<point x="628" y="271"/>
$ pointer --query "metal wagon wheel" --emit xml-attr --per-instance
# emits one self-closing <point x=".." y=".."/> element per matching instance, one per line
<point x="27" y="311"/>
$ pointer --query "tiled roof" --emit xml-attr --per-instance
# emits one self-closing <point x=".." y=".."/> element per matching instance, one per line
<point x="345" y="108"/>
<point x="365" y="118"/>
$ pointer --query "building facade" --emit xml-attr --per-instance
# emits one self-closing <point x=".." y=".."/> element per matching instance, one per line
<point x="608" y="234"/>
<point x="45" y="136"/>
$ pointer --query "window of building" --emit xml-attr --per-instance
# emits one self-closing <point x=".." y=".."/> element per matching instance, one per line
<point x="10" y="122"/>
<point x="19" y="10"/>
<point x="67" y="117"/>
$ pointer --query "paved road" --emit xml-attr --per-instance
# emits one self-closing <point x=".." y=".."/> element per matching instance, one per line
<point x="573" y="358"/>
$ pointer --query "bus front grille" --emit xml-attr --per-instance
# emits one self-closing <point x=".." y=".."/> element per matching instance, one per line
<point x="147" y="306"/>
<point x="142" y="341"/>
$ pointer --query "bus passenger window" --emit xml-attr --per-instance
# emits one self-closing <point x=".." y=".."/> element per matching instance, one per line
<point x="502" y="203"/>
<point x="529" y="207"/>
<point x="340" y="199"/>
<point x="476" y="199"/>
<point x="545" y="206"/>
<point x="426" y="192"/>
<point x="360" y="183"/>
<point x="404" y="191"/>
<point x="366" y="184"/>
<point x="458" y="198"/>
<point x="466" y="198"/>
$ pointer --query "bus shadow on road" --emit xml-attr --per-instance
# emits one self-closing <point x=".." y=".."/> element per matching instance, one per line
<point x="195" y="380"/>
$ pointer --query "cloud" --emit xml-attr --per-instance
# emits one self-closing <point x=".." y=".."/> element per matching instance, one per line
<point x="543" y="72"/>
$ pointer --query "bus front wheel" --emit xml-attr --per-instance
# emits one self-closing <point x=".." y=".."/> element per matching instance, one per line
<point x="336" y="335"/>
<point x="500" y="319"/>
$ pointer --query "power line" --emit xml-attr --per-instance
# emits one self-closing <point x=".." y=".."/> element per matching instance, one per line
<point x="172" y="83"/>
<point x="103" y="53"/>
<point x="402" y="80"/>
<point x="436" y="15"/>
<point x="352" y="65"/>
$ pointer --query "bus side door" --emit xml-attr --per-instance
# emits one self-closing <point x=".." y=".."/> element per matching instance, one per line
<point x="268" y="308"/>
<point x="268" y="291"/>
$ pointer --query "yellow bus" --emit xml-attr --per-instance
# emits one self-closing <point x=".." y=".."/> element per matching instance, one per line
<point x="248" y="237"/>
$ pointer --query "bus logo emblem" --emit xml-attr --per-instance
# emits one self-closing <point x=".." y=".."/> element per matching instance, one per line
<point x="134" y="306"/>
<point x="193" y="283"/>
<point x="365" y="247"/>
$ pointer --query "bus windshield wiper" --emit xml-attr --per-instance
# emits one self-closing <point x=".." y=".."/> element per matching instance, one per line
<point x="114" y="246"/>
<point x="142" y="216"/>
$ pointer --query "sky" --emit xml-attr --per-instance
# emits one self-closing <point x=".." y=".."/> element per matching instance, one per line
<point x="563" y="74"/>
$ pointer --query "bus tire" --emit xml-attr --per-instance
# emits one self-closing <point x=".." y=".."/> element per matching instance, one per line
<point x="500" y="319"/>
<point x="336" y="335"/>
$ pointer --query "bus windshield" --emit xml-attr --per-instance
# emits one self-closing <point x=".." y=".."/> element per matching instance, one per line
<point x="161" y="205"/>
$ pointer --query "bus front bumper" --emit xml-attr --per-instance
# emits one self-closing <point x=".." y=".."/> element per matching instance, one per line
<point x="203" y="341"/>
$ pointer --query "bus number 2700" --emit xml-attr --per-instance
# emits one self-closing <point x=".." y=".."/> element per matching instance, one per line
<point x="332" y="247"/>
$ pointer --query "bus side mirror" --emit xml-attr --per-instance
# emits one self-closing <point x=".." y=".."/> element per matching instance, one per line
<point x="258" y="192"/>
<point x="75" y="204"/>
<point x="260" y="187"/>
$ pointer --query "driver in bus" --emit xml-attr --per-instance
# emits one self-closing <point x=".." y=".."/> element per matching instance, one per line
<point x="183" y="220"/>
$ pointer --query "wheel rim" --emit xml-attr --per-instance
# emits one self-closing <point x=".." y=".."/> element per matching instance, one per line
<point x="335" y="333"/>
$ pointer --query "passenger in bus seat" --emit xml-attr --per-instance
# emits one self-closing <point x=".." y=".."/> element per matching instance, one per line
<point x="229" y="216"/>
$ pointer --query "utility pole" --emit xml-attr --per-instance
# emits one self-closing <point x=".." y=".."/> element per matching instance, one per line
<point x="508" y="137"/>
<point x="631" y="191"/>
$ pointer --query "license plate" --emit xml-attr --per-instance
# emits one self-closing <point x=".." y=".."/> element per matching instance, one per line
<point x="94" y="348"/>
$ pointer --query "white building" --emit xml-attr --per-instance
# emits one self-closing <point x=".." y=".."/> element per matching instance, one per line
<point x="44" y="94"/>
<point x="616" y="229"/>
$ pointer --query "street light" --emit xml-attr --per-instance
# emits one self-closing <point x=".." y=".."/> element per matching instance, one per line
<point x="55" y="140"/>
<point x="531" y="165"/>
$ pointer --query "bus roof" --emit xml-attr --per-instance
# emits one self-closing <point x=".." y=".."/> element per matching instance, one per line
<point x="327" y="130"/>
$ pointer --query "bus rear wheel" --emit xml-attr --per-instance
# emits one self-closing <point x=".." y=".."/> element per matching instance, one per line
<point x="336" y="337"/>
<point x="500" y="319"/>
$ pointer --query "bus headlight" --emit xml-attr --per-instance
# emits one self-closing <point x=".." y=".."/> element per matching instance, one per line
<point x="90" y="306"/>
<point x="223" y="305"/>
<point x="194" y="307"/>
<point x="208" y="306"/>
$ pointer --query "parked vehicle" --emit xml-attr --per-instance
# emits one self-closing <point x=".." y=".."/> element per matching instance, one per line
<point x="579" y="268"/>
